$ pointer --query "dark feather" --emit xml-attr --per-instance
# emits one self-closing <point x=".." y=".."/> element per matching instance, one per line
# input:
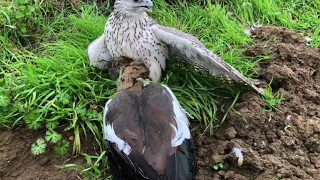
<point x="141" y="117"/>
<point x="142" y="165"/>
<point x="181" y="165"/>
<point x="120" y="166"/>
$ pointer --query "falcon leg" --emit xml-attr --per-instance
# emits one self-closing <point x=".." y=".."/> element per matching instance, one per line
<point x="155" y="72"/>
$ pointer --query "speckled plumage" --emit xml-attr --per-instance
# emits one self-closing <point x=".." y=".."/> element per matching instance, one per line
<point x="132" y="33"/>
<point x="132" y="37"/>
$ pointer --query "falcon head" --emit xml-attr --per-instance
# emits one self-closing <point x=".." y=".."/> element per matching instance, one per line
<point x="134" y="7"/>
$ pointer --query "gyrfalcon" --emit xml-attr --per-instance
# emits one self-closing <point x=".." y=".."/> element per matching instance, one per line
<point x="130" y="32"/>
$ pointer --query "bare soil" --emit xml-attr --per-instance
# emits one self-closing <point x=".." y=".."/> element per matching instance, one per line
<point x="18" y="163"/>
<point x="271" y="151"/>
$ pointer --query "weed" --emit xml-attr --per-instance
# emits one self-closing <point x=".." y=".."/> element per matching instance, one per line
<point x="21" y="16"/>
<point x="97" y="167"/>
<point x="4" y="101"/>
<point x="287" y="126"/>
<point x="272" y="99"/>
<point x="61" y="147"/>
<point x="53" y="136"/>
<point x="38" y="147"/>
<point x="218" y="166"/>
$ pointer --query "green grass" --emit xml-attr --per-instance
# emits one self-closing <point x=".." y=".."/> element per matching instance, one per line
<point x="46" y="80"/>
<point x="94" y="170"/>
<point x="272" y="99"/>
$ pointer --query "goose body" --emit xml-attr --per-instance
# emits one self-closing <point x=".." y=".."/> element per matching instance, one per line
<point x="147" y="131"/>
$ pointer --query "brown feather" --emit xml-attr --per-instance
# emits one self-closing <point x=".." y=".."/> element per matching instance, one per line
<point x="141" y="116"/>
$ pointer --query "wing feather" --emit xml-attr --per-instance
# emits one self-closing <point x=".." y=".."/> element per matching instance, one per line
<point x="187" y="48"/>
<point x="98" y="53"/>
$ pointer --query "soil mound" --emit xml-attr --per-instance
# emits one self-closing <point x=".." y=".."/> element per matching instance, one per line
<point x="272" y="149"/>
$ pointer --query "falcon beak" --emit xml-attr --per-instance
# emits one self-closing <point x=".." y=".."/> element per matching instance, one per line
<point x="147" y="5"/>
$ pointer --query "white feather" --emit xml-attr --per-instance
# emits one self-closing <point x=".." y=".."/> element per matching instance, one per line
<point x="190" y="49"/>
<point x="308" y="39"/>
<point x="181" y="44"/>
<point x="130" y="37"/>
<point x="238" y="153"/>
<point x="98" y="53"/>
<point x="182" y="130"/>
<point x="110" y="134"/>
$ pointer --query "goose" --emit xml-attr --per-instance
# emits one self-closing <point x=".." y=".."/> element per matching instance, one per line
<point x="146" y="130"/>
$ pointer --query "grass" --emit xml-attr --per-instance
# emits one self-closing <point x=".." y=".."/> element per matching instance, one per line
<point x="272" y="99"/>
<point x="94" y="170"/>
<point x="46" y="81"/>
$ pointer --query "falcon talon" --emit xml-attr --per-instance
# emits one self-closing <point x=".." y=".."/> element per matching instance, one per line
<point x="146" y="82"/>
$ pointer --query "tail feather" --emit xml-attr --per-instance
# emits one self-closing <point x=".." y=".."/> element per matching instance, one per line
<point x="148" y="172"/>
<point x="123" y="167"/>
<point x="182" y="164"/>
<point x="120" y="166"/>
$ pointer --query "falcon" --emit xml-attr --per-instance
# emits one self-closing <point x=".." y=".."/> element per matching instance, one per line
<point x="130" y="32"/>
<point x="147" y="131"/>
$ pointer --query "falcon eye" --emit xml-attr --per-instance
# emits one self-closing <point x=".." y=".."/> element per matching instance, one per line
<point x="135" y="0"/>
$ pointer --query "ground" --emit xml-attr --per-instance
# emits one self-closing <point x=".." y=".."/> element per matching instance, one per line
<point x="271" y="150"/>
<point x="281" y="144"/>
<point x="18" y="163"/>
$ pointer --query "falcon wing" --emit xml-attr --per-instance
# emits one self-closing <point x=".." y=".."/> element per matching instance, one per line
<point x="185" y="47"/>
<point x="98" y="53"/>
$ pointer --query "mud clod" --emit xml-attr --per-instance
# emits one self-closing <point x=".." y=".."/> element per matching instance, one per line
<point x="313" y="143"/>
<point x="230" y="133"/>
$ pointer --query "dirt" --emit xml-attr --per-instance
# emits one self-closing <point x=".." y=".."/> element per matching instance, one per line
<point x="281" y="144"/>
<point x="18" y="163"/>
<point x="271" y="150"/>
